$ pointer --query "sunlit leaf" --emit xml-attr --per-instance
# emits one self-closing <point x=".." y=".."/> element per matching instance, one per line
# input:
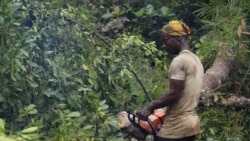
<point x="73" y="114"/>
<point x="84" y="89"/>
<point x="102" y="102"/>
<point x="30" y="107"/>
<point x="84" y="17"/>
<point x="25" y="137"/>
<point x="104" y="107"/>
<point x="24" y="52"/>
<point x="149" y="9"/>
<point x="139" y="13"/>
<point x="212" y="131"/>
<point x="50" y="93"/>
<point x="87" y="127"/>
<point x="30" y="130"/>
<point x="1" y="20"/>
<point x="2" y="128"/>
<point x="16" y="6"/>
<point x="33" y="111"/>
<point x="107" y="15"/>
<point x="20" y="65"/>
<point x="2" y="138"/>
<point x="85" y="67"/>
<point x="116" y="10"/>
<point x="164" y="10"/>
<point x="33" y="84"/>
<point x="16" y="23"/>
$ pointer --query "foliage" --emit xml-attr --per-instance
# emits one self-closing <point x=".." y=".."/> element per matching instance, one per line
<point x="68" y="67"/>
<point x="27" y="134"/>
<point x="51" y="58"/>
<point x="224" y="124"/>
<point x="38" y="71"/>
<point x="222" y="20"/>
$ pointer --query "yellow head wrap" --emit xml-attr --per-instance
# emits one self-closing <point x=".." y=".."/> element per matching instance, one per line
<point x="176" y="28"/>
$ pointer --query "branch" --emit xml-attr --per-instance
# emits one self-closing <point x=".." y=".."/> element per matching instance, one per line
<point x="141" y="84"/>
<point x="224" y="100"/>
<point x="247" y="33"/>
<point x="106" y="40"/>
<point x="243" y="80"/>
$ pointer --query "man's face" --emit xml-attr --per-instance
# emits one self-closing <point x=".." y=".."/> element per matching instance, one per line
<point x="170" y="43"/>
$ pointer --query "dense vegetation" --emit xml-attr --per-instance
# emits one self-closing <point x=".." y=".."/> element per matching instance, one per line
<point x="69" y="66"/>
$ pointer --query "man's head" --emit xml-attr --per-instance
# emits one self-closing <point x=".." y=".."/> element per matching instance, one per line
<point x="174" y="36"/>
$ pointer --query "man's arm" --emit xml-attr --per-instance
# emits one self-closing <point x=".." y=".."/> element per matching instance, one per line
<point x="174" y="93"/>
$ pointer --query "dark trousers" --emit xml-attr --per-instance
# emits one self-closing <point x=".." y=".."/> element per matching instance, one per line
<point x="191" y="138"/>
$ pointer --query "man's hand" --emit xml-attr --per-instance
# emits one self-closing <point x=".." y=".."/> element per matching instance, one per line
<point x="144" y="113"/>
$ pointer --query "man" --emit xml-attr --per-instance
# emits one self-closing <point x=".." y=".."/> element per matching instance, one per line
<point x="185" y="83"/>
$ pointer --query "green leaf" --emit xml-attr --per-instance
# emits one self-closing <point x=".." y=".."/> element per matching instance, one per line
<point x="85" y="67"/>
<point x="30" y="107"/>
<point x="88" y="127"/>
<point x="16" y="23"/>
<point x="104" y="107"/>
<point x="83" y="16"/>
<point x="30" y="130"/>
<point x="33" y="84"/>
<point x="103" y="102"/>
<point x="32" y="112"/>
<point x="171" y="14"/>
<point x="2" y="129"/>
<point x="116" y="10"/>
<point x="24" y="52"/>
<point x="16" y="6"/>
<point x="107" y="15"/>
<point x="30" y="40"/>
<point x="212" y="131"/>
<point x="139" y="13"/>
<point x="149" y="9"/>
<point x="20" y="65"/>
<point x="84" y="89"/>
<point x="111" y="121"/>
<point x="13" y="72"/>
<point x="164" y="10"/>
<point x="1" y="20"/>
<point x="50" y="93"/>
<point x="5" y="139"/>
<point x="25" y="137"/>
<point x="73" y="114"/>
<point x="62" y="106"/>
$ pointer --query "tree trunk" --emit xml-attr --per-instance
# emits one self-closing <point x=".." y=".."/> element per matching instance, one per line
<point x="224" y="99"/>
<point x="214" y="78"/>
<point x="219" y="71"/>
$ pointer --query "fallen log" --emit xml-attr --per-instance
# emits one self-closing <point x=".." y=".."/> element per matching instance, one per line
<point x="224" y="100"/>
<point x="217" y="74"/>
<point x="214" y="77"/>
<point x="219" y="71"/>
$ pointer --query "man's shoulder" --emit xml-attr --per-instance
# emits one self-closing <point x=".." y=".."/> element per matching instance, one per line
<point x="186" y="55"/>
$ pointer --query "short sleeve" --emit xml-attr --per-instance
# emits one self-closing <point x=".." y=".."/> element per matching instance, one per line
<point x="176" y="70"/>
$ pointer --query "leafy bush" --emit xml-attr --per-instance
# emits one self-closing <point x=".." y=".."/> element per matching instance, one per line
<point x="64" y="78"/>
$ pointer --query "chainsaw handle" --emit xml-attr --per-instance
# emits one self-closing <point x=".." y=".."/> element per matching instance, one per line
<point x="133" y="120"/>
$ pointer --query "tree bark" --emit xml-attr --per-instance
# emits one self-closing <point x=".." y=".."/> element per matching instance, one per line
<point x="224" y="100"/>
<point x="214" y="77"/>
<point x="219" y="71"/>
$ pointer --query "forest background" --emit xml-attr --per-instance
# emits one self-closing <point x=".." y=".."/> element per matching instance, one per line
<point x="68" y="67"/>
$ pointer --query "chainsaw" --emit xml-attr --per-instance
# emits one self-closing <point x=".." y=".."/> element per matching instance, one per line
<point x="132" y="126"/>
